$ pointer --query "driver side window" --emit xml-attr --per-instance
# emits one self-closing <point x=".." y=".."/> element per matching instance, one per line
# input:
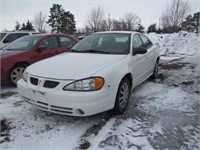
<point x="136" y="42"/>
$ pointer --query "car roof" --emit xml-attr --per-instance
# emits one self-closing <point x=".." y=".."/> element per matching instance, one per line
<point x="21" y="31"/>
<point x="48" y="34"/>
<point x="127" y="32"/>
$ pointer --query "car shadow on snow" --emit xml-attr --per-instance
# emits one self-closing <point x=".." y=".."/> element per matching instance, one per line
<point x="4" y="131"/>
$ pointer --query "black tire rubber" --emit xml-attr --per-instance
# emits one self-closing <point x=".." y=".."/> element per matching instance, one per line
<point x="155" y="71"/>
<point x="16" y="67"/>
<point x="118" y="109"/>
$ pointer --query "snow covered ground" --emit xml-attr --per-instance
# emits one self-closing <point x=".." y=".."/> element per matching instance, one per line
<point x="162" y="114"/>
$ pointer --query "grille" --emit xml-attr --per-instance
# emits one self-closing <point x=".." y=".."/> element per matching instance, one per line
<point x="52" y="108"/>
<point x="50" y="84"/>
<point x="47" y="83"/>
<point x="34" y="81"/>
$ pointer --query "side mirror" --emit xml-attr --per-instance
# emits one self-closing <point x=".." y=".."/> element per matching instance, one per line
<point x="41" y="48"/>
<point x="139" y="50"/>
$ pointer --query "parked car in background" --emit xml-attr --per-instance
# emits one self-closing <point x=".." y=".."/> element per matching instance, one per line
<point x="27" y="50"/>
<point x="8" y="37"/>
<point x="98" y="74"/>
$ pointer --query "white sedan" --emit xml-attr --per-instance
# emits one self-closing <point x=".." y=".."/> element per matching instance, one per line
<point x="97" y="75"/>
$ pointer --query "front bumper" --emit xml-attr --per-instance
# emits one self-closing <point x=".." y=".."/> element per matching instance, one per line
<point x="67" y="102"/>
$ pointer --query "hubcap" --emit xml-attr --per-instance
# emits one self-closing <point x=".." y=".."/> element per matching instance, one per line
<point x="16" y="74"/>
<point x="124" y="95"/>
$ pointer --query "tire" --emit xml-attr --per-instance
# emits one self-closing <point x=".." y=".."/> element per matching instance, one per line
<point x="16" y="73"/>
<point x="122" y="98"/>
<point x="155" y="71"/>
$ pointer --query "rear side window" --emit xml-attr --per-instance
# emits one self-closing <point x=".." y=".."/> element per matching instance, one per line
<point x="50" y="42"/>
<point x="24" y="43"/>
<point x="13" y="36"/>
<point x="22" y="34"/>
<point x="65" y="41"/>
<point x="2" y="35"/>
<point x="146" y="41"/>
<point x="137" y="41"/>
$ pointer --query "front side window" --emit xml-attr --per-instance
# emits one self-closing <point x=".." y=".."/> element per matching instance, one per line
<point x="24" y="43"/>
<point x="110" y="43"/>
<point x="50" y="42"/>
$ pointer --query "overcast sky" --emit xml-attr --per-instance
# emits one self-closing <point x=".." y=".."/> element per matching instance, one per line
<point x="22" y="10"/>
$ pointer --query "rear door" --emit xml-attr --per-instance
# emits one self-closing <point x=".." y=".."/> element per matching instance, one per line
<point x="65" y="43"/>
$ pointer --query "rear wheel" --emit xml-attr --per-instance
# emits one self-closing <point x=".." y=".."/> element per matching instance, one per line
<point x="16" y="73"/>
<point x="122" y="97"/>
<point x="155" y="72"/>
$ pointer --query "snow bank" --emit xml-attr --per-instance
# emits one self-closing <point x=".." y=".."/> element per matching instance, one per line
<point x="183" y="43"/>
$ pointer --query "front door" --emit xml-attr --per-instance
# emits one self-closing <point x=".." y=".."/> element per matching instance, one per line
<point x="50" y="48"/>
<point x="138" y="62"/>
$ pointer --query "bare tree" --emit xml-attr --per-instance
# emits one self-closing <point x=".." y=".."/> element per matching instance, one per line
<point x="132" y="21"/>
<point x="174" y="13"/>
<point x="39" y="22"/>
<point x="95" y="19"/>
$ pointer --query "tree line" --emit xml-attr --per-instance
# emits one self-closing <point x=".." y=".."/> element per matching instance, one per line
<point x="173" y="19"/>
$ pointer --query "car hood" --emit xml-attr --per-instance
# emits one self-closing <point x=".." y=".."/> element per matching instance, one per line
<point x="72" y="65"/>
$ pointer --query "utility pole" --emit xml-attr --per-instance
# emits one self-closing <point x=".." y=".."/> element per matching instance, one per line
<point x="109" y="22"/>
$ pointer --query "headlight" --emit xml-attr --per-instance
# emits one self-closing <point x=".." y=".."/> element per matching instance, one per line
<point x="89" y="84"/>
<point x="25" y="75"/>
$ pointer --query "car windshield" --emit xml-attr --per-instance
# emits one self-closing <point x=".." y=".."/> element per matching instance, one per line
<point x="23" y="43"/>
<point x="2" y="35"/>
<point x="105" y="43"/>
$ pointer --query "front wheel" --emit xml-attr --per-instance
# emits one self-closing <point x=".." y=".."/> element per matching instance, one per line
<point x="16" y="74"/>
<point x="122" y="98"/>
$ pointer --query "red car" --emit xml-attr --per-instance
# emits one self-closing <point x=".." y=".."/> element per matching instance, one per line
<point x="27" y="50"/>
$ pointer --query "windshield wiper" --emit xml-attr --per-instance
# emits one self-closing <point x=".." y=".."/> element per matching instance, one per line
<point x="95" y="51"/>
<point x="89" y="51"/>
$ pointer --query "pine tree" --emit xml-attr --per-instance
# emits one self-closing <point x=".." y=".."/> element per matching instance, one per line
<point x="17" y="26"/>
<point x="29" y="25"/>
<point x="151" y="28"/>
<point x="61" y="21"/>
<point x="140" y="28"/>
<point x="54" y="20"/>
<point x="68" y="24"/>
<point x="23" y="27"/>
<point x="191" y="23"/>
